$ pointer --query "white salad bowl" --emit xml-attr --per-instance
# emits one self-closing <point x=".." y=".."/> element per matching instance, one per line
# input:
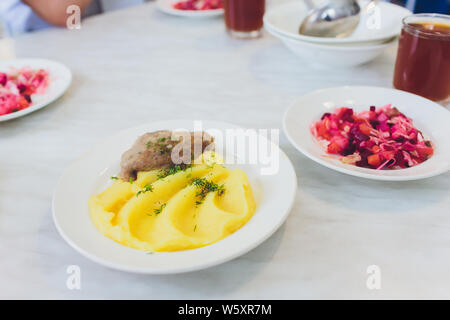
<point x="379" y="24"/>
<point x="429" y="117"/>
<point x="336" y="56"/>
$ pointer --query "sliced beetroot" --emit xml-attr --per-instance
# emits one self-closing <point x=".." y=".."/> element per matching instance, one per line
<point x="345" y="114"/>
<point x="358" y="135"/>
<point x="3" y="78"/>
<point x="408" y="146"/>
<point x="399" y="159"/>
<point x="350" y="149"/>
<point x="363" y="163"/>
<point x="325" y="115"/>
<point x="21" y="87"/>
<point x="382" y="117"/>
<point x="383" y="127"/>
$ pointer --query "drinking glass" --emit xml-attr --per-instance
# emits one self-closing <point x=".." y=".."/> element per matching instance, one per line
<point x="423" y="58"/>
<point x="244" y="18"/>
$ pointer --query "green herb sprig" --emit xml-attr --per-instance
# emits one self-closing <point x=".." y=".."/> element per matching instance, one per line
<point x="206" y="186"/>
<point x="159" y="145"/>
<point x="172" y="170"/>
<point x="147" y="188"/>
<point x="158" y="210"/>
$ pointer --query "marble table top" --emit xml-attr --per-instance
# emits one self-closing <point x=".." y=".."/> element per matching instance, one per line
<point x="139" y="65"/>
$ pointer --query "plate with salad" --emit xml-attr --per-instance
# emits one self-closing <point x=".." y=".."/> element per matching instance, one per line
<point x="27" y="85"/>
<point x="371" y="132"/>
<point x="191" y="8"/>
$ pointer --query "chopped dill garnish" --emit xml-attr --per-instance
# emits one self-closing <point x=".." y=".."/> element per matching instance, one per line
<point x="195" y="228"/>
<point x="163" y="150"/>
<point x="131" y="180"/>
<point x="205" y="186"/>
<point x="158" y="210"/>
<point x="172" y="170"/>
<point x="221" y="190"/>
<point x="159" y="145"/>
<point x="147" y="187"/>
<point x="114" y="178"/>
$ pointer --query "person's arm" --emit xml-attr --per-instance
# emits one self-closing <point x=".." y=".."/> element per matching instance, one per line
<point x="54" y="11"/>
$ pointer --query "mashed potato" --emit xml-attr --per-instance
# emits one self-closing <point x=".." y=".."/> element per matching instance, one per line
<point x="172" y="210"/>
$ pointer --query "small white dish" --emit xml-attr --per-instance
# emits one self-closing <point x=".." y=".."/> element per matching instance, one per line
<point x="378" y="25"/>
<point x="166" y="6"/>
<point x="429" y="117"/>
<point x="90" y="174"/>
<point x="336" y="56"/>
<point x="60" y="79"/>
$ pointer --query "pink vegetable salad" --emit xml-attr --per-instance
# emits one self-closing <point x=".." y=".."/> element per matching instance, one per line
<point x="380" y="138"/>
<point x="198" y="5"/>
<point x="17" y="86"/>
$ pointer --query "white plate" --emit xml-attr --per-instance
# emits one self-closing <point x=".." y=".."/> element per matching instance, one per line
<point x="429" y="117"/>
<point x="167" y="7"/>
<point x="91" y="174"/>
<point x="286" y="19"/>
<point x="60" y="79"/>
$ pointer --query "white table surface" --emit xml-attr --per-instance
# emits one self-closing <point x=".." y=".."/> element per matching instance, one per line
<point x="139" y="65"/>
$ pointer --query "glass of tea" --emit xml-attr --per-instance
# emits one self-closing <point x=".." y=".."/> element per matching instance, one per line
<point x="244" y="18"/>
<point x="423" y="57"/>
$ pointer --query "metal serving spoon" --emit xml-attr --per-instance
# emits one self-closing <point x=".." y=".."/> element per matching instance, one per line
<point x="337" y="19"/>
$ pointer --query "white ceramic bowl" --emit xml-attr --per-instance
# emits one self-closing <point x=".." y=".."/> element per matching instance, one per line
<point x="377" y="25"/>
<point x="429" y="117"/>
<point x="323" y="55"/>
